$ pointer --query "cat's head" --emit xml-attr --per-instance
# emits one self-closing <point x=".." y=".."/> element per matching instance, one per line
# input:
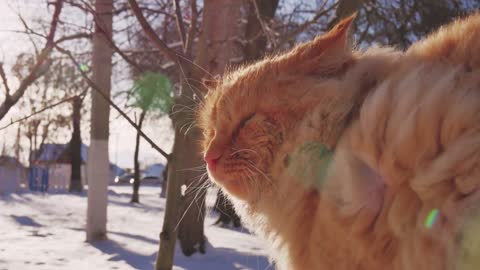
<point x="250" y="112"/>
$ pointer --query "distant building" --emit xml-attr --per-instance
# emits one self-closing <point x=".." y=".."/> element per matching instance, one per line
<point x="51" y="167"/>
<point x="153" y="172"/>
<point x="115" y="171"/>
<point x="12" y="174"/>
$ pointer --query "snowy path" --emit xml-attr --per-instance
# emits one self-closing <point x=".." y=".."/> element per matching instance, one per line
<point x="47" y="232"/>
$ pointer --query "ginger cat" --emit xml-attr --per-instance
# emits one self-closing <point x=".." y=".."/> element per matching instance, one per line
<point x="347" y="159"/>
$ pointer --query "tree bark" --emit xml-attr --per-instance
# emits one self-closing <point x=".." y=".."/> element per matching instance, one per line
<point x="136" y="165"/>
<point x="219" y="18"/>
<point x="98" y="172"/>
<point x="76" y="148"/>
<point x="256" y="40"/>
<point x="215" y="49"/>
<point x="163" y="193"/>
<point x="253" y="50"/>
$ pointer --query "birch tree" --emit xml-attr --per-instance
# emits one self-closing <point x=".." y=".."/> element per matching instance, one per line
<point x="98" y="172"/>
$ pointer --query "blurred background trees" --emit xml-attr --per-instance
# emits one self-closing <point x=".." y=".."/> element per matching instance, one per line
<point x="152" y="93"/>
<point x="186" y="41"/>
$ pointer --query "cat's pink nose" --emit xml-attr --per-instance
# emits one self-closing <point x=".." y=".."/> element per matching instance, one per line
<point x="211" y="158"/>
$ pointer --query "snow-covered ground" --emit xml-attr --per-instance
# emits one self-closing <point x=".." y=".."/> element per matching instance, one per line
<point x="46" y="231"/>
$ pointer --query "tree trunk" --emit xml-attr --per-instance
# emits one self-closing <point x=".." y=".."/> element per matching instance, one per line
<point x="30" y="151"/>
<point x="98" y="172"/>
<point x="182" y="216"/>
<point x="253" y="50"/>
<point x="256" y="39"/>
<point x="163" y="193"/>
<point x="17" y="143"/>
<point x="136" y="165"/>
<point x="216" y="47"/>
<point x="76" y="148"/>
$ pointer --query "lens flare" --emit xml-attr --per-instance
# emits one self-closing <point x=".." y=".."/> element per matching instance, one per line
<point x="310" y="163"/>
<point x="431" y="218"/>
<point x="83" y="67"/>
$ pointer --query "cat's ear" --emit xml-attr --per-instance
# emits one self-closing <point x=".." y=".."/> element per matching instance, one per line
<point x="210" y="84"/>
<point x="328" y="54"/>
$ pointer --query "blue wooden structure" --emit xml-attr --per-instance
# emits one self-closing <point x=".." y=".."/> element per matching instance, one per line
<point x="38" y="179"/>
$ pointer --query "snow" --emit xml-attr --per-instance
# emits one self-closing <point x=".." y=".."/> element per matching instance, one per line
<point x="47" y="231"/>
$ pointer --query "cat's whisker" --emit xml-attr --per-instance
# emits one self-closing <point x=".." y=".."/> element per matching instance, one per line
<point x="244" y="150"/>
<point x="196" y="90"/>
<point x="263" y="174"/>
<point x="251" y="177"/>
<point x="196" y="168"/>
<point x="184" y="125"/>
<point x="179" y="108"/>
<point x="201" y="191"/>
<point x="188" y="208"/>
<point x="192" y="124"/>
<point x="186" y="79"/>
<point x="194" y="64"/>
<point x="197" y="179"/>
<point x="208" y="184"/>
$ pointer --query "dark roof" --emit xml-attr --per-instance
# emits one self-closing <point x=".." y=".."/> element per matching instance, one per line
<point x="8" y="159"/>
<point x="115" y="169"/>
<point x="55" y="153"/>
<point x="155" y="169"/>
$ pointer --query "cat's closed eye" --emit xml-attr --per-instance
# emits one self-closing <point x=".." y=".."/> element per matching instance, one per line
<point x="242" y="124"/>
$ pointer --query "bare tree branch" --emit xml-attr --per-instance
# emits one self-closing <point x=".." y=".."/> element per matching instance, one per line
<point x="160" y="44"/>
<point x="29" y="36"/>
<point x="120" y="111"/>
<point x="301" y="28"/>
<point x="191" y="30"/>
<point x="5" y="82"/>
<point x="36" y="70"/>
<point x="51" y="106"/>
<point x="266" y="29"/>
<point x="74" y="36"/>
<point x="179" y="21"/>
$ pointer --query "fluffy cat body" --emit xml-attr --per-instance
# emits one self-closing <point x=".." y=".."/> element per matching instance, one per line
<point x="403" y="130"/>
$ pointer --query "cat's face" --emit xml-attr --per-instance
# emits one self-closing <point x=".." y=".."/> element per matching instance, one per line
<point x="249" y="113"/>
<point x="241" y="138"/>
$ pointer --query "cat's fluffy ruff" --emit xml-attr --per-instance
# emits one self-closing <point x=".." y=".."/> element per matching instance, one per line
<point x="405" y="132"/>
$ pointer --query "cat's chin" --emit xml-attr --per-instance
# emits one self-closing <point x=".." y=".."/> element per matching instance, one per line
<point x="234" y="187"/>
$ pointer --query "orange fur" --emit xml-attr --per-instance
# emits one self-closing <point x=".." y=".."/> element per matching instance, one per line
<point x="405" y="132"/>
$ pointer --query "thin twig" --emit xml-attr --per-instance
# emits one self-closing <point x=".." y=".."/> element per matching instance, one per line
<point x="29" y="36"/>
<point x="120" y="111"/>
<point x="266" y="29"/>
<point x="72" y="37"/>
<point x="36" y="70"/>
<point x="51" y="106"/>
<point x="5" y="82"/>
<point x="180" y="24"/>
<point x="301" y="28"/>
<point x="160" y="44"/>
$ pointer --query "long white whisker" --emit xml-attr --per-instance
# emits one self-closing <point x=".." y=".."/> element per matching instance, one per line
<point x="195" y="64"/>
<point x="244" y="150"/>
<point x="186" y="210"/>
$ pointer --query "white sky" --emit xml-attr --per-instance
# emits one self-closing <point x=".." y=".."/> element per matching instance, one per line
<point x="122" y="136"/>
